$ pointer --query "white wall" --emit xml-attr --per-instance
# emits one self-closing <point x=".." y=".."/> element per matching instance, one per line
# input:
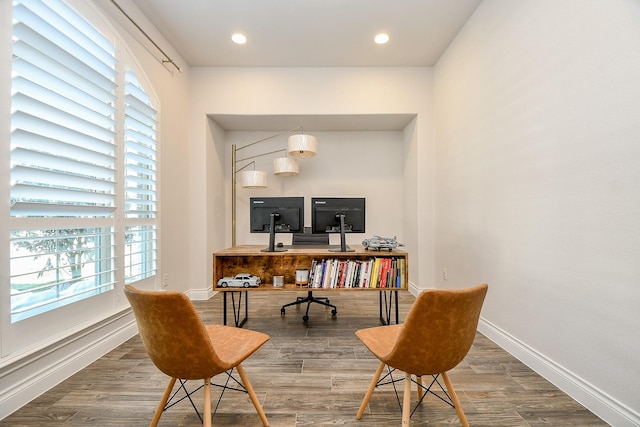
<point x="538" y="188"/>
<point x="315" y="91"/>
<point x="348" y="164"/>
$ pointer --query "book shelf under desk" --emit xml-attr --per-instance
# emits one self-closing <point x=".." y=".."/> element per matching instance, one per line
<point x="266" y="265"/>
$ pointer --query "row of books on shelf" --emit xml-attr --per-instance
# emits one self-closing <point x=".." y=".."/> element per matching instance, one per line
<point x="378" y="272"/>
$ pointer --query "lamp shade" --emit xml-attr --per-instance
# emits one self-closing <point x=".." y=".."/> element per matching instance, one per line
<point x="285" y="166"/>
<point x="301" y="145"/>
<point x="253" y="179"/>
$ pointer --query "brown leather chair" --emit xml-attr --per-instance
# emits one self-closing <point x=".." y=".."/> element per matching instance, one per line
<point x="184" y="348"/>
<point x="436" y="335"/>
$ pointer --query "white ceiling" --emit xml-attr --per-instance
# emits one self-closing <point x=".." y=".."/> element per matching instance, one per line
<point x="308" y="33"/>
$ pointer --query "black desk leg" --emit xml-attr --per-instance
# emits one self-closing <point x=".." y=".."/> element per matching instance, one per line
<point x="388" y="304"/>
<point x="236" y="307"/>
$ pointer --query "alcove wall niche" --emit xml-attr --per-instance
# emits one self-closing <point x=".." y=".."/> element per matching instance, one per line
<point x="358" y="156"/>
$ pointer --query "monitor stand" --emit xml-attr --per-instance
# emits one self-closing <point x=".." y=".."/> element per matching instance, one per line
<point x="272" y="236"/>
<point x="343" y="238"/>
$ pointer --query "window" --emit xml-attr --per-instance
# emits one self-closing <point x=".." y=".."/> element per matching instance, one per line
<point x="54" y="267"/>
<point x="140" y="181"/>
<point x="67" y="190"/>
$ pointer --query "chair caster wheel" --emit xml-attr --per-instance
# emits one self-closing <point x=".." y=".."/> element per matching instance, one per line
<point x="305" y="318"/>
<point x="282" y="311"/>
<point x="334" y="312"/>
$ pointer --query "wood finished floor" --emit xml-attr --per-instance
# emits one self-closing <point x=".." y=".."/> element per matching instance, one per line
<point x="314" y="374"/>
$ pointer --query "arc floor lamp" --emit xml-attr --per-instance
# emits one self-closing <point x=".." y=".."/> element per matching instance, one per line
<point x="299" y="145"/>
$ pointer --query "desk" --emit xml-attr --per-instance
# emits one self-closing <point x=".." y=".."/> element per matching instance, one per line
<point x="250" y="259"/>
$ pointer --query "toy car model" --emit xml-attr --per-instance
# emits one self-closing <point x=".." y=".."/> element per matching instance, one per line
<point x="378" y="243"/>
<point x="243" y="280"/>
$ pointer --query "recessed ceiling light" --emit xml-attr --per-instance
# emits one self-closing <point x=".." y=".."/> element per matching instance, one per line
<point x="381" y="38"/>
<point x="239" y="38"/>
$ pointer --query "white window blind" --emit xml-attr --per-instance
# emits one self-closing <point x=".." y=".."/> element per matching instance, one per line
<point x="63" y="157"/>
<point x="140" y="158"/>
<point x="63" y="127"/>
<point x="140" y="150"/>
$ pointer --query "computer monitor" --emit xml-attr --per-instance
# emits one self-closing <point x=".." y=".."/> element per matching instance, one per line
<point x="338" y="215"/>
<point x="276" y="215"/>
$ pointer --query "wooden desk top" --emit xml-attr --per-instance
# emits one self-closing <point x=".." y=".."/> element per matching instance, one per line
<point x="314" y="250"/>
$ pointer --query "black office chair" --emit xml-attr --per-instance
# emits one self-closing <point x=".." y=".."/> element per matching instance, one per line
<point x="308" y="239"/>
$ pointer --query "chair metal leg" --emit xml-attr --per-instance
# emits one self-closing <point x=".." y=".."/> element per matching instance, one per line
<point x="454" y="398"/>
<point x="163" y="401"/>
<point x="406" y="401"/>
<point x="207" y="403"/>
<point x="252" y="395"/>
<point x="372" y="387"/>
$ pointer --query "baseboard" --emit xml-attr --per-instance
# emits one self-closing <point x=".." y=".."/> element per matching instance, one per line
<point x="32" y="375"/>
<point x="201" y="294"/>
<point x="413" y="289"/>
<point x="604" y="406"/>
